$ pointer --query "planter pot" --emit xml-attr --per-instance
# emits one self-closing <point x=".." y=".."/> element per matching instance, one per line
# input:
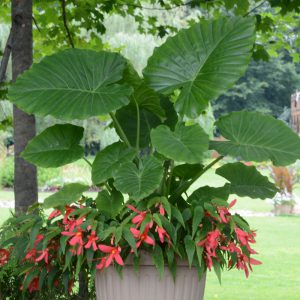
<point x="283" y="209"/>
<point x="147" y="285"/>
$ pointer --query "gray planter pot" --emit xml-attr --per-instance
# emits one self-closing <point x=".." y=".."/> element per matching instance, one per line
<point x="147" y="285"/>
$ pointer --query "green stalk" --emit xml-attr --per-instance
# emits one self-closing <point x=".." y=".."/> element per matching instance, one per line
<point x="138" y="127"/>
<point x="87" y="161"/>
<point x="120" y="129"/>
<point x="170" y="178"/>
<point x="184" y="187"/>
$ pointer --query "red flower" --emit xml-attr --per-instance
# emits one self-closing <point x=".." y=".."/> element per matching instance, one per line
<point x="142" y="237"/>
<point x="68" y="211"/>
<point x="102" y="263"/>
<point x="4" y="256"/>
<point x="54" y="214"/>
<point x="31" y="255"/>
<point x="139" y="218"/>
<point x="224" y="212"/>
<point x="210" y="245"/>
<point x="161" y="208"/>
<point x="232" y="247"/>
<point x="44" y="256"/>
<point x="71" y="224"/>
<point x="38" y="238"/>
<point x="243" y="262"/>
<point x="244" y="238"/>
<point x="114" y="254"/>
<point x="92" y="241"/>
<point x="76" y="239"/>
<point x="34" y="285"/>
<point x="162" y="234"/>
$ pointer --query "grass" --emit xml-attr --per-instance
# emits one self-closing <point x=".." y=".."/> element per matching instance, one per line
<point x="278" y="242"/>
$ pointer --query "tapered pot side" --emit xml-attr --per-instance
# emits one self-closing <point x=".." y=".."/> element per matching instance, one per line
<point x="147" y="284"/>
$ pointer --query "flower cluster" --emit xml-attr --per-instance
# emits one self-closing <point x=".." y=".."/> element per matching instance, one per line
<point x="80" y="235"/>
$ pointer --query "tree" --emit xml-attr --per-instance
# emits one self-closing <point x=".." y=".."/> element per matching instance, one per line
<point x="25" y="182"/>
<point x="266" y="87"/>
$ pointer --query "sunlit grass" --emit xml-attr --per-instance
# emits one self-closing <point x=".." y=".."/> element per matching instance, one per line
<point x="278" y="244"/>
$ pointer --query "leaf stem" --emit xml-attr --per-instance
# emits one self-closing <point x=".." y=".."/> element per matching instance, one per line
<point x="184" y="187"/>
<point x="120" y="129"/>
<point x="138" y="127"/>
<point x="88" y="162"/>
<point x="170" y="178"/>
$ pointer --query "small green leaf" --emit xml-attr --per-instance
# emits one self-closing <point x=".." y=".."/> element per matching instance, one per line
<point x="56" y="146"/>
<point x="177" y="215"/>
<point x="130" y="239"/>
<point x="42" y="277"/>
<point x="156" y="218"/>
<point x="109" y="204"/>
<point x="34" y="232"/>
<point x="217" y="269"/>
<point x="158" y="260"/>
<point x="199" y="252"/>
<point x="197" y="218"/>
<point x="68" y="194"/>
<point x="190" y="248"/>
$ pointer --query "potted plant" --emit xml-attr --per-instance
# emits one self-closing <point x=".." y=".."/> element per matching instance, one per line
<point x="144" y="208"/>
<point x="285" y="180"/>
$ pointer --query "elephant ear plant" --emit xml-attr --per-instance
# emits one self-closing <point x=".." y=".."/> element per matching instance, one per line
<point x="144" y="179"/>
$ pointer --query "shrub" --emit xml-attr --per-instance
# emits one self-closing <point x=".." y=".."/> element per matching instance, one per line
<point x="7" y="172"/>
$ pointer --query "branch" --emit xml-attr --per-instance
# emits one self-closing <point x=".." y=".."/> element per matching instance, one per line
<point x="63" y="8"/>
<point x="36" y="24"/>
<point x="5" y="58"/>
<point x="254" y="9"/>
<point x="160" y="8"/>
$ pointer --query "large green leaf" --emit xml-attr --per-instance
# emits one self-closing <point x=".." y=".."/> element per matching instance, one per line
<point x="139" y="182"/>
<point x="127" y="117"/>
<point x="68" y="194"/>
<point x="257" y="137"/>
<point x="187" y="171"/>
<point x="186" y="143"/>
<point x="207" y="193"/>
<point x="56" y="146"/>
<point x="73" y="84"/>
<point x="108" y="160"/>
<point x="204" y="61"/>
<point x="247" y="181"/>
<point x="109" y="204"/>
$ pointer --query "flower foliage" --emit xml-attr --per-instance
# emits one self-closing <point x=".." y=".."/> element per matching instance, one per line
<point x="79" y="236"/>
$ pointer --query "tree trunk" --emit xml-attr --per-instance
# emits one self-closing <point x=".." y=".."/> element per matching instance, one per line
<point x="25" y="181"/>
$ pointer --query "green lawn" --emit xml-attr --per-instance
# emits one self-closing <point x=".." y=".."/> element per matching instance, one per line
<point x="278" y="242"/>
